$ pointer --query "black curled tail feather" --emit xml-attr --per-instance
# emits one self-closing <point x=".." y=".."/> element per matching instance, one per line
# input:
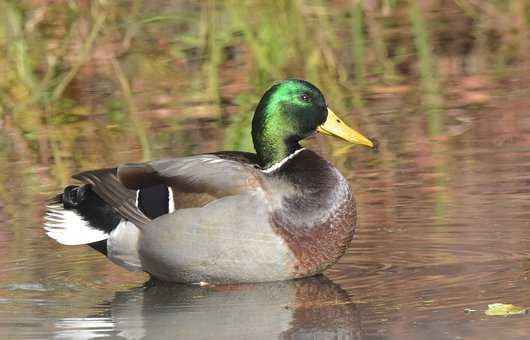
<point x="55" y="200"/>
<point x="79" y="216"/>
<point x="66" y="224"/>
<point x="91" y="207"/>
<point x="88" y="205"/>
<point x="106" y="186"/>
<point x="88" y="213"/>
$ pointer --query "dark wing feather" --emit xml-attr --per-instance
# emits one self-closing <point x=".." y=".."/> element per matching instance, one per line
<point x="107" y="186"/>
<point x="215" y="174"/>
<point x="239" y="156"/>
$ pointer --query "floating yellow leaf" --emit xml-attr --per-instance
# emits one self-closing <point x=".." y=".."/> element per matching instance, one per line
<point x="502" y="309"/>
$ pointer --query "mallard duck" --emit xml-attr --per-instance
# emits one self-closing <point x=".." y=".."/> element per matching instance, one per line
<point x="281" y="213"/>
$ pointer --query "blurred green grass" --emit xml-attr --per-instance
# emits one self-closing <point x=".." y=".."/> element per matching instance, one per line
<point x="81" y="79"/>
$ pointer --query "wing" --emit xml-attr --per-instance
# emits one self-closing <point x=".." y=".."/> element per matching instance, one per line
<point x="106" y="185"/>
<point x="218" y="175"/>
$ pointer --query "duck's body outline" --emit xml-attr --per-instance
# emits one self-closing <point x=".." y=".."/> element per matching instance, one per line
<point x="225" y="217"/>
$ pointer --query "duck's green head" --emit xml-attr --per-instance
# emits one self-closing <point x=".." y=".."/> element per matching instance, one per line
<point x="292" y="110"/>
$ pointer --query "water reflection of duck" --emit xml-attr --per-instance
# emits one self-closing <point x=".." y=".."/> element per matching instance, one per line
<point x="311" y="308"/>
<point x="281" y="213"/>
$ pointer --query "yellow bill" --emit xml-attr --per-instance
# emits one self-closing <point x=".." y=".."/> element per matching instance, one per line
<point x="334" y="126"/>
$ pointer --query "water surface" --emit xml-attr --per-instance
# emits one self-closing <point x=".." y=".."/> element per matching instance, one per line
<point x="444" y="204"/>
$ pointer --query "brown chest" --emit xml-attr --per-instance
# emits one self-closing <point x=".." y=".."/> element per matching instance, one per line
<point x="320" y="246"/>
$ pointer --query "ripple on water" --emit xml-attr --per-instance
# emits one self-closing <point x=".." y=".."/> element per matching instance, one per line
<point x="443" y="227"/>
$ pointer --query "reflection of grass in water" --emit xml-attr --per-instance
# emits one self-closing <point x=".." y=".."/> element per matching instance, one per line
<point x="237" y="134"/>
<point x="440" y="196"/>
<point x="266" y="45"/>
<point x="432" y="102"/>
<point x="432" y="98"/>
<point x="38" y="95"/>
<point x="342" y="49"/>
<point x="137" y="123"/>
<point x="358" y="43"/>
<point x="5" y="198"/>
<point x="214" y="53"/>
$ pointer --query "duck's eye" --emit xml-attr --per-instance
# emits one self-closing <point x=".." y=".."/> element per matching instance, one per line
<point x="305" y="98"/>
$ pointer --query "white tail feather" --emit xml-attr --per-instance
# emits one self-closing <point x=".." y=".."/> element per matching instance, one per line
<point x="69" y="228"/>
